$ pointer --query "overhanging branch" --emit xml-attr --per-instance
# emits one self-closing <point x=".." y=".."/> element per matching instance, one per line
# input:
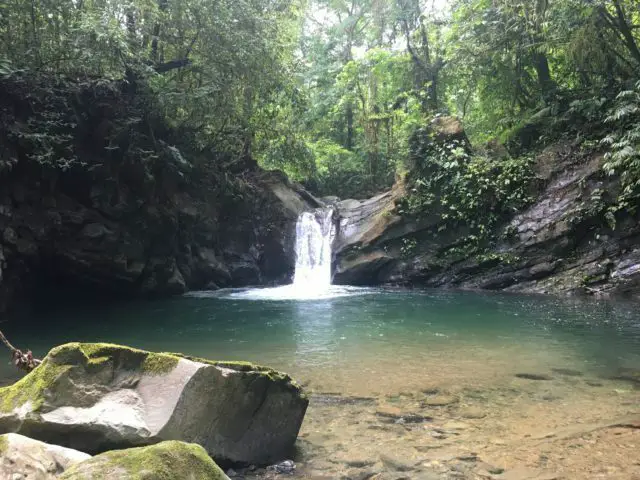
<point x="24" y="361"/>
<point x="180" y="62"/>
<point x="172" y="65"/>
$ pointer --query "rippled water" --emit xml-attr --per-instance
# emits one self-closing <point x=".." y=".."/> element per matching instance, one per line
<point x="363" y="340"/>
<point x="501" y="381"/>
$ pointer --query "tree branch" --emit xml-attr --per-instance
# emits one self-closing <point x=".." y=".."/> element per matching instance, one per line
<point x="417" y="60"/>
<point x="180" y="62"/>
<point x="626" y="31"/>
<point x="23" y="361"/>
<point x="621" y="28"/>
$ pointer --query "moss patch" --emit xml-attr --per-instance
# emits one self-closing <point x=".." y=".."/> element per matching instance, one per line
<point x="157" y="364"/>
<point x="93" y="358"/>
<point x="32" y="387"/>
<point x="247" y="367"/>
<point x="128" y="358"/>
<point x="101" y="358"/>
<point x="163" y="461"/>
<point x="4" y="444"/>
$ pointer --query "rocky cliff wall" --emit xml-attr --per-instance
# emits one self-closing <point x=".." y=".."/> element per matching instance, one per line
<point x="92" y="199"/>
<point x="561" y="243"/>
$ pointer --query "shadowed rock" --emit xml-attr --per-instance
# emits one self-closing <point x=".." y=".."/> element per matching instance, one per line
<point x="24" y="458"/>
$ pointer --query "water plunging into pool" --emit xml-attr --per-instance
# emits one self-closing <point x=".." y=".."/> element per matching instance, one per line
<point x="314" y="234"/>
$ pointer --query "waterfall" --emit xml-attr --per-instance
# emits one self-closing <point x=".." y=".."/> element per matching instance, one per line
<point x="315" y="232"/>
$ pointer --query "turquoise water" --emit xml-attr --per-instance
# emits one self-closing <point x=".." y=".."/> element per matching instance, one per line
<point x="365" y="341"/>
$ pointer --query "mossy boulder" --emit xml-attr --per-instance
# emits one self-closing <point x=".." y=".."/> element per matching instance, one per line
<point x="99" y="397"/>
<point x="25" y="458"/>
<point x="164" y="461"/>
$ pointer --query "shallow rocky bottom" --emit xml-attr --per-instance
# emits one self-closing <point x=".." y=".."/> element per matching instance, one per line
<point x="533" y="426"/>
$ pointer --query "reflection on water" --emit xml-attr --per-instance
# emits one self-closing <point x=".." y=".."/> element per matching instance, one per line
<point x="363" y="340"/>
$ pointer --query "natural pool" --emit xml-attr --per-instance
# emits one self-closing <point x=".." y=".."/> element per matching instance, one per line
<point x="410" y="384"/>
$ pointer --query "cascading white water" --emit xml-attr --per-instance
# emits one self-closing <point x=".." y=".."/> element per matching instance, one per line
<point x="314" y="234"/>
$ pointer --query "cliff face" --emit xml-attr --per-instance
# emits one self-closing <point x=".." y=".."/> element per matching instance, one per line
<point x="91" y="199"/>
<point x="559" y="244"/>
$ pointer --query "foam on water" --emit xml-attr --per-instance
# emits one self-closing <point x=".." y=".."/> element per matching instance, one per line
<point x="286" y="292"/>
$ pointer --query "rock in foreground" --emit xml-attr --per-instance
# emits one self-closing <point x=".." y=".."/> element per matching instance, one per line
<point x="163" y="461"/>
<point x="25" y="458"/>
<point x="99" y="397"/>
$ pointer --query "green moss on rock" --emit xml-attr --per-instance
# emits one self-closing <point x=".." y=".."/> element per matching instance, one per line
<point x="129" y="358"/>
<point x="75" y="360"/>
<point x="163" y="461"/>
<point x="31" y="387"/>
<point x="4" y="444"/>
<point x="246" y="367"/>
<point x="93" y="358"/>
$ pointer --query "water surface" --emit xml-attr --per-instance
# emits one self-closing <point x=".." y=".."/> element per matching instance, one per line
<point x="363" y="341"/>
<point x="461" y="366"/>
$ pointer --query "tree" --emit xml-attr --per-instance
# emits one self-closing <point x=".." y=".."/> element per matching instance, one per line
<point x="425" y="53"/>
<point x="204" y="62"/>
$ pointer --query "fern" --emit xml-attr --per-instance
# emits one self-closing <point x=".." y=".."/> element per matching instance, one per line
<point x="623" y="156"/>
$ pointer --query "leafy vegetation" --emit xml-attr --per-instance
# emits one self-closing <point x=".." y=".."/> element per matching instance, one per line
<point x="623" y="159"/>
<point x="333" y="91"/>
<point x="466" y="189"/>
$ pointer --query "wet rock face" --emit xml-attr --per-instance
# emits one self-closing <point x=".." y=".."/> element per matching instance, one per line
<point x="187" y="243"/>
<point x="556" y="245"/>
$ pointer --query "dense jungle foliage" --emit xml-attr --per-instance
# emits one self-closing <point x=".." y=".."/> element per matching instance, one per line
<point x="332" y="91"/>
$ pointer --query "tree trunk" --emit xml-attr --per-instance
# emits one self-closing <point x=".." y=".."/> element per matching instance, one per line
<point x="162" y="6"/>
<point x="625" y="30"/>
<point x="541" y="64"/>
<point x="433" y="92"/>
<point x="349" y="117"/>
<point x="248" y="114"/>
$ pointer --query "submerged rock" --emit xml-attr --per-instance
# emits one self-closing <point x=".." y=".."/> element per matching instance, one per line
<point x="338" y="399"/>
<point x="395" y="464"/>
<point x="397" y="415"/>
<point x="24" y="458"/>
<point x="440" y="400"/>
<point x="163" y="461"/>
<point x="98" y="397"/>
<point x="568" y="372"/>
<point x="472" y="413"/>
<point x="283" y="468"/>
<point x="534" y="376"/>
<point x="628" y="375"/>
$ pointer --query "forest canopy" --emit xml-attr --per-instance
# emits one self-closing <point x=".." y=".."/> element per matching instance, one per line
<point x="331" y="91"/>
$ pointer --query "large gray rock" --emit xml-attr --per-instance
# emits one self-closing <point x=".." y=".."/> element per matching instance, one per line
<point x="164" y="461"/>
<point x="24" y="458"/>
<point x="98" y="397"/>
